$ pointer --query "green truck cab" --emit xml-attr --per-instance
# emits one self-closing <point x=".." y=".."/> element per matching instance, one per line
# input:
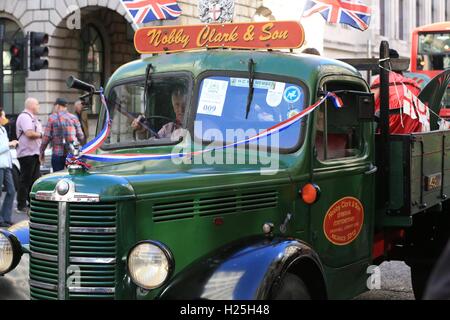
<point x="307" y="219"/>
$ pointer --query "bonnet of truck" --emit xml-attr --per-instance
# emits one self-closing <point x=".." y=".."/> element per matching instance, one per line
<point x="125" y="202"/>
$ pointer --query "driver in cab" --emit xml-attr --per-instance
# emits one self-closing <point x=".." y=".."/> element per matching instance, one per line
<point x="172" y="129"/>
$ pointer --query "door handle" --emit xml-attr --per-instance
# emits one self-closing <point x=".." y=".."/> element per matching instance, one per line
<point x="373" y="169"/>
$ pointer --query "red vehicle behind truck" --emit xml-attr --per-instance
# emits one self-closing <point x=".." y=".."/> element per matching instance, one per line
<point x="430" y="55"/>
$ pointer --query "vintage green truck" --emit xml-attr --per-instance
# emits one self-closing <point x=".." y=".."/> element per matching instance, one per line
<point x="339" y="198"/>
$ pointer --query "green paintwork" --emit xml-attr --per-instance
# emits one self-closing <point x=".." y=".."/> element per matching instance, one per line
<point x="177" y="204"/>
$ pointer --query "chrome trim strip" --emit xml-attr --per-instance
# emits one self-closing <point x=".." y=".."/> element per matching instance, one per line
<point x="92" y="230"/>
<point x="91" y="290"/>
<point x="43" y="256"/>
<point x="46" y="286"/>
<point x="92" y="260"/>
<point x="43" y="227"/>
<point x="44" y="195"/>
<point x="70" y="196"/>
<point x="62" y="242"/>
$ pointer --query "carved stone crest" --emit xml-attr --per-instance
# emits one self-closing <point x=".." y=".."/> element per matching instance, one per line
<point x="216" y="11"/>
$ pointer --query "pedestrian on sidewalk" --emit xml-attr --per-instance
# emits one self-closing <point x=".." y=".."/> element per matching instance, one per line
<point x="6" y="175"/>
<point x="29" y="135"/>
<point x="63" y="128"/>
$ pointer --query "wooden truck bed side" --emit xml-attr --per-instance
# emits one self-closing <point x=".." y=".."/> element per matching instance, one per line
<point x="419" y="176"/>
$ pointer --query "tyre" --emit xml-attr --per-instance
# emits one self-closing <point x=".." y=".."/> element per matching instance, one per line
<point x="291" y="287"/>
<point x="420" y="274"/>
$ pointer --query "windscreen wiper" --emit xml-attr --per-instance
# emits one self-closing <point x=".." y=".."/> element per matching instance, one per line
<point x="147" y="86"/>
<point x="148" y="82"/>
<point x="251" y="85"/>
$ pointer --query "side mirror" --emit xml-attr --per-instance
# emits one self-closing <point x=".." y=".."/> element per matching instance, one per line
<point x="74" y="83"/>
<point x="366" y="108"/>
<point x="363" y="101"/>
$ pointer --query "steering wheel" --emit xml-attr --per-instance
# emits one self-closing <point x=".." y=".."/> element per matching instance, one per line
<point x="153" y="133"/>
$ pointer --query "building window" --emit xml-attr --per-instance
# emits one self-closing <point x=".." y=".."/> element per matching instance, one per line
<point x="383" y="30"/>
<point x="13" y="82"/>
<point x="92" y="60"/>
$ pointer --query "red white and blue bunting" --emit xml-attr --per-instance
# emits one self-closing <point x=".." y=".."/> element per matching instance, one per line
<point x="87" y="152"/>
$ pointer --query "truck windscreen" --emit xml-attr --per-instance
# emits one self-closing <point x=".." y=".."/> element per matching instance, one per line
<point x="157" y="120"/>
<point x="221" y="113"/>
<point x="433" y="51"/>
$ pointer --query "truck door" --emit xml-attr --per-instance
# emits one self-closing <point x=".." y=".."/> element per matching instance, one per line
<point x="343" y="168"/>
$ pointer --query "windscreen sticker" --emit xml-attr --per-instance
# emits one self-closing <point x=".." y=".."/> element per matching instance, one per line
<point x="292" y="113"/>
<point x="344" y="221"/>
<point x="258" y="84"/>
<point x="275" y="95"/>
<point x="212" y="98"/>
<point x="292" y="94"/>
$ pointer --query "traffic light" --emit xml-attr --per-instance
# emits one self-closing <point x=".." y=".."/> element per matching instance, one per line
<point x="17" y="51"/>
<point x="37" y="51"/>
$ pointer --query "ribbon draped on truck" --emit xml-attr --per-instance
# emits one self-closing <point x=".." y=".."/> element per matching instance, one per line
<point x="87" y="151"/>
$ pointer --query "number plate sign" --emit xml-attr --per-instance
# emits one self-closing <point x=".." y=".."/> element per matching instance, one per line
<point x="257" y="35"/>
<point x="433" y="182"/>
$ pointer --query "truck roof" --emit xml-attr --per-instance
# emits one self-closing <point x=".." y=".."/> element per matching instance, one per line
<point x="303" y="66"/>
<point x="435" y="27"/>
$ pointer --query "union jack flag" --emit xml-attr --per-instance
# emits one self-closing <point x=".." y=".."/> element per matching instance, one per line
<point x="144" y="11"/>
<point x="351" y="12"/>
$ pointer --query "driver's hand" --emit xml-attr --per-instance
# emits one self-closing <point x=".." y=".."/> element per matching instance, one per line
<point x="136" y="125"/>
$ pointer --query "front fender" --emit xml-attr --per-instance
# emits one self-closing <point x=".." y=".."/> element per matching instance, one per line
<point x="244" y="270"/>
<point x="21" y="231"/>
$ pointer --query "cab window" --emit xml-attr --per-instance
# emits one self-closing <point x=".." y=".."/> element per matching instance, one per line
<point x="338" y="131"/>
<point x="158" y="120"/>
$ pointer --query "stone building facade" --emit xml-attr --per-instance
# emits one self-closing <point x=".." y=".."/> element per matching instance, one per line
<point x="89" y="39"/>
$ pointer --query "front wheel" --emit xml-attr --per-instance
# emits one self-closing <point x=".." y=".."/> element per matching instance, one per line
<point x="291" y="287"/>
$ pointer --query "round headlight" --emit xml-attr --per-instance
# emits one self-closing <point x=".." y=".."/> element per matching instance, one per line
<point x="150" y="264"/>
<point x="6" y="254"/>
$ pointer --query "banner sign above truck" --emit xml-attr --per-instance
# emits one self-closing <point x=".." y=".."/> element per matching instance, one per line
<point x="257" y="35"/>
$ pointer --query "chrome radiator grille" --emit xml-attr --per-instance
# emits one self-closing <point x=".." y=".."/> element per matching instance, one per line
<point x="44" y="250"/>
<point x="90" y="249"/>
